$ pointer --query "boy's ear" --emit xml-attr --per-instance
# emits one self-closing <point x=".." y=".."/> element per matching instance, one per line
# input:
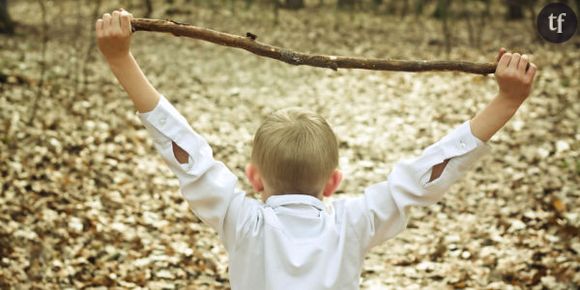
<point x="333" y="183"/>
<point x="254" y="177"/>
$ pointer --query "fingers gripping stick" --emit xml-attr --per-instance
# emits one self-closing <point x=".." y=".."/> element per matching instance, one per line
<point x="515" y="74"/>
<point x="114" y="34"/>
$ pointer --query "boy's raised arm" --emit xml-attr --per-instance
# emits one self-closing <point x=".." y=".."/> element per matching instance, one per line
<point x="114" y="40"/>
<point x="515" y="76"/>
<point x="382" y="212"/>
<point x="206" y="184"/>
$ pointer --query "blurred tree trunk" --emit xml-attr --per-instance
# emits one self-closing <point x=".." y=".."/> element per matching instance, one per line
<point x="45" y="39"/>
<point x="441" y="9"/>
<point x="487" y="8"/>
<point x="6" y="23"/>
<point x="578" y="9"/>
<point x="276" y="10"/>
<point x="405" y="9"/>
<point x="392" y="7"/>
<point x="294" y="4"/>
<point x="514" y="11"/>
<point x="375" y="5"/>
<point x="232" y="5"/>
<point x="419" y="4"/>
<point x="531" y="7"/>
<point x="345" y="4"/>
<point x="148" y="8"/>
<point x="476" y="20"/>
<point x="442" y="13"/>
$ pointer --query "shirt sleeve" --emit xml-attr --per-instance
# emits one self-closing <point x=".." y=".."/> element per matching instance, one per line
<point x="206" y="184"/>
<point x="381" y="213"/>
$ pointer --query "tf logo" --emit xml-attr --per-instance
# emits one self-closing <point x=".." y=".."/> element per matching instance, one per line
<point x="557" y="22"/>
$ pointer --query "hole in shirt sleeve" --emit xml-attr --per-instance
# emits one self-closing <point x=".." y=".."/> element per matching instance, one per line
<point x="180" y="155"/>
<point x="437" y="170"/>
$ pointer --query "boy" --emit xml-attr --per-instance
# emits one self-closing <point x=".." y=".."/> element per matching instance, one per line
<point x="292" y="240"/>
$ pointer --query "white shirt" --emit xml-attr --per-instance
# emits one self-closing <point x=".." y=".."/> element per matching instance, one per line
<point x="295" y="241"/>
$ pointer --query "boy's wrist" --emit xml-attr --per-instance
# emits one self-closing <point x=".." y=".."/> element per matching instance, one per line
<point x="509" y="103"/>
<point x="119" y="60"/>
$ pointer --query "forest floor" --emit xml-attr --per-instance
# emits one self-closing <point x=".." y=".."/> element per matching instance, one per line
<point x="85" y="200"/>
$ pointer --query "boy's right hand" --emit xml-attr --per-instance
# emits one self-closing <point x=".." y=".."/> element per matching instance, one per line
<point x="114" y="34"/>
<point x="515" y="76"/>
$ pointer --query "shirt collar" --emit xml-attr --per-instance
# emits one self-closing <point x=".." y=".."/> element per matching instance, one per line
<point x="287" y="199"/>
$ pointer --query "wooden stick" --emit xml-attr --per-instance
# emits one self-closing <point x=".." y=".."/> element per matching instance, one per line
<point x="250" y="44"/>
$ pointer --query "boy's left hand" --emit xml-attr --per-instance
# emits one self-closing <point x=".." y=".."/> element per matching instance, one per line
<point x="515" y="76"/>
<point x="114" y="34"/>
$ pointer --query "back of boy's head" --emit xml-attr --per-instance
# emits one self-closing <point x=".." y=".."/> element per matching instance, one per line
<point x="295" y="151"/>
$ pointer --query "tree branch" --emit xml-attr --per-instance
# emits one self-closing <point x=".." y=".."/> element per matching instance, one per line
<point x="250" y="44"/>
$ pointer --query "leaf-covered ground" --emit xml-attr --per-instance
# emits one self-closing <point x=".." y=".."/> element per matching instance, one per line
<point x="85" y="200"/>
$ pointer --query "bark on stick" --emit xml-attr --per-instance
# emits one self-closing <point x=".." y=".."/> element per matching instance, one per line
<point x="250" y="44"/>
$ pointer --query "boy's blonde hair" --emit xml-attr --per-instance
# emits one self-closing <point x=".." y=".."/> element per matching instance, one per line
<point x="295" y="151"/>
